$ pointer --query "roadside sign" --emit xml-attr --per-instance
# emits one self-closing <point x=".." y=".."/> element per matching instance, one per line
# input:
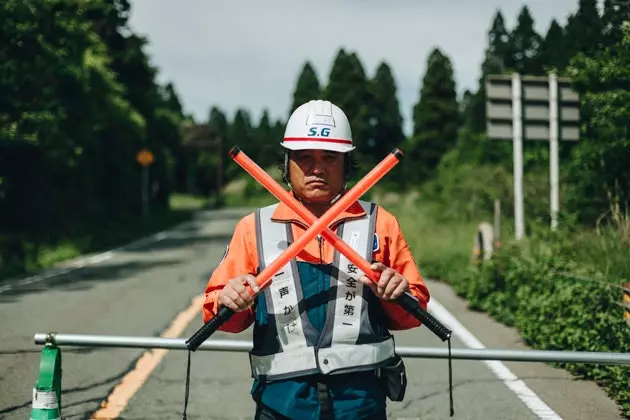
<point x="145" y="157"/>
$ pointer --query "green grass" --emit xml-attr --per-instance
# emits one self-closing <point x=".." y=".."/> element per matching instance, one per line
<point x="442" y="249"/>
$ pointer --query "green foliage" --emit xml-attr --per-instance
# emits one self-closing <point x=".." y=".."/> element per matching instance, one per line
<point x="584" y="29"/>
<point x="307" y="87"/>
<point x="436" y="120"/>
<point x="524" y="46"/>
<point x="78" y="100"/>
<point x="599" y="168"/>
<point x="385" y="121"/>
<point x="560" y="292"/>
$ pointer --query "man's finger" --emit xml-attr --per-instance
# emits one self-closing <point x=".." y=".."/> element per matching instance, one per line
<point x="251" y="280"/>
<point x="227" y="301"/>
<point x="367" y="282"/>
<point x="242" y="298"/>
<point x="392" y="285"/>
<point x="384" y="280"/>
<point x="378" y="266"/>
<point x="402" y="288"/>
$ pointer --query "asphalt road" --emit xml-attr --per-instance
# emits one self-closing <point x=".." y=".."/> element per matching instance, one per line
<point x="141" y="289"/>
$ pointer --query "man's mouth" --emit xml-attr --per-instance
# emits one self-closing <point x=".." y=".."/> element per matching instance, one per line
<point x="317" y="182"/>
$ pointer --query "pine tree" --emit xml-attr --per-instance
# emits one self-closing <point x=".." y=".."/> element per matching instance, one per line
<point x="241" y="133"/>
<point x="385" y="120"/>
<point x="496" y="55"/>
<point x="498" y="43"/>
<point x="348" y="89"/>
<point x="267" y="143"/>
<point x="554" y="53"/>
<point x="307" y="87"/>
<point x="524" y="46"/>
<point x="436" y="119"/>
<point x="584" y="29"/>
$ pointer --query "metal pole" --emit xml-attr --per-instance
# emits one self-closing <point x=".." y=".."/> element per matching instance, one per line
<point x="517" y="141"/>
<point x="411" y="352"/>
<point x="145" y="189"/>
<point x="554" y="200"/>
<point x="497" y="220"/>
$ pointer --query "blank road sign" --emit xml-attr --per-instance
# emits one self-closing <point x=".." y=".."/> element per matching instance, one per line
<point x="534" y="108"/>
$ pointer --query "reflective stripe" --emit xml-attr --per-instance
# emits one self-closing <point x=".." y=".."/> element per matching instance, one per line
<point x="347" y="318"/>
<point x="281" y="295"/>
<point x="44" y="400"/>
<point x="347" y="322"/>
<point x="342" y="356"/>
<point x="283" y="363"/>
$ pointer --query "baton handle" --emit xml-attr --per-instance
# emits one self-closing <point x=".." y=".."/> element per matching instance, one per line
<point x="209" y="328"/>
<point x="407" y="301"/>
<point x="411" y="305"/>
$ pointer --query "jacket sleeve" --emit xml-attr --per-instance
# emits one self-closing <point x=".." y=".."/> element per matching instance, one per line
<point x="397" y="255"/>
<point x="240" y="258"/>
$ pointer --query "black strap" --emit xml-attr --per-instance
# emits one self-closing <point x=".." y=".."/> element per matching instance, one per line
<point x="326" y="410"/>
<point x="450" y="378"/>
<point x="187" y="386"/>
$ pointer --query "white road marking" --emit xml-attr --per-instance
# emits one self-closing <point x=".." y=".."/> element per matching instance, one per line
<point x="517" y="386"/>
<point x="81" y="262"/>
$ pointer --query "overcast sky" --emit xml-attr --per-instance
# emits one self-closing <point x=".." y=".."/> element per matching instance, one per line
<point x="236" y="53"/>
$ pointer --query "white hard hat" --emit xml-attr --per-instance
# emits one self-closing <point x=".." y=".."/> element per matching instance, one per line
<point x="318" y="124"/>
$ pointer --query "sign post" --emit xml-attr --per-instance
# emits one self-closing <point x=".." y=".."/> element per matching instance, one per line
<point x="532" y="108"/>
<point x="145" y="158"/>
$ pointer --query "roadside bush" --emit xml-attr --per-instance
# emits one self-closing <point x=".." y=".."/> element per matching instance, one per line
<point x="555" y="295"/>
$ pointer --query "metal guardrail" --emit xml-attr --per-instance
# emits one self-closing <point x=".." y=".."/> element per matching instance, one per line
<point x="608" y="358"/>
<point x="46" y="403"/>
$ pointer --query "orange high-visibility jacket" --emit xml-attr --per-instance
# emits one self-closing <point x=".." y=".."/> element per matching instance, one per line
<point x="242" y="258"/>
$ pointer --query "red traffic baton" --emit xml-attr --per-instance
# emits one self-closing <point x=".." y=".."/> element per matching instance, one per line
<point x="406" y="300"/>
<point x="264" y="277"/>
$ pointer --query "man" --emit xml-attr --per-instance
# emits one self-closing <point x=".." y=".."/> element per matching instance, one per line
<point x="321" y="331"/>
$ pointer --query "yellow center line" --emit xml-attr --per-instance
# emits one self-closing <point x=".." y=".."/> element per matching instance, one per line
<point x="120" y="396"/>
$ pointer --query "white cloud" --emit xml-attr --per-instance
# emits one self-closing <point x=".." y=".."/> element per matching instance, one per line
<point x="235" y="53"/>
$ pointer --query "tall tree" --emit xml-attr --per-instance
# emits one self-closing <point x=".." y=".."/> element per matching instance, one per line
<point x="584" y="29"/>
<point x="307" y="86"/>
<point x="600" y="175"/>
<point x="495" y="57"/>
<point x="348" y="88"/>
<point x="436" y="118"/>
<point x="553" y="50"/>
<point x="241" y="132"/>
<point x="268" y="143"/>
<point x="80" y="112"/>
<point x="385" y="120"/>
<point x="524" y="45"/>
<point x="616" y="12"/>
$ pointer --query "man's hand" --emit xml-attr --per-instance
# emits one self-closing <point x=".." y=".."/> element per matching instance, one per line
<point x="235" y="295"/>
<point x="390" y="285"/>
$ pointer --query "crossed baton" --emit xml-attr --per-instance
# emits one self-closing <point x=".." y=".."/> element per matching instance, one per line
<point x="319" y="226"/>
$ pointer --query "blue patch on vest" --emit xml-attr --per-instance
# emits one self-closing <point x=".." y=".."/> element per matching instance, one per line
<point x="375" y="244"/>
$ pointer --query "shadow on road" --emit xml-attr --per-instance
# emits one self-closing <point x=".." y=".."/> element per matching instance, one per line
<point x="110" y="380"/>
<point x="84" y="278"/>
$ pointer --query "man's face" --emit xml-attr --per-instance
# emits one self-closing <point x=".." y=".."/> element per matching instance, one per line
<point x="316" y="176"/>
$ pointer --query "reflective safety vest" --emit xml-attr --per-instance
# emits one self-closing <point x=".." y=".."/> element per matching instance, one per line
<point x="349" y="340"/>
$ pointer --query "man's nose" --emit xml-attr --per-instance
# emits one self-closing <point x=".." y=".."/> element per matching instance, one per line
<point x="318" y="166"/>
